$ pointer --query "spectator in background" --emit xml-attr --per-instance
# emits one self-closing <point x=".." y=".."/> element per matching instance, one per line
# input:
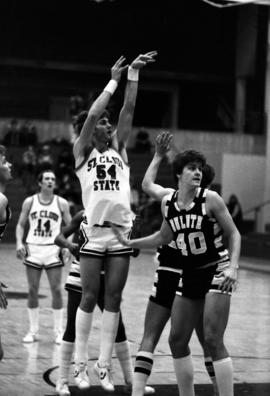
<point x="77" y="105"/>
<point x="32" y="135"/>
<point x="28" y="167"/>
<point x="12" y="137"/>
<point x="142" y="142"/>
<point x="44" y="159"/>
<point x="235" y="210"/>
<point x="65" y="161"/>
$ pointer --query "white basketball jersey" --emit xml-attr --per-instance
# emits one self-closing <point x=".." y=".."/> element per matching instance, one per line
<point x="44" y="221"/>
<point x="104" y="179"/>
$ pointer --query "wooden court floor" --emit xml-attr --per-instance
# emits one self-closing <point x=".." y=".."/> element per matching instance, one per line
<point x="31" y="370"/>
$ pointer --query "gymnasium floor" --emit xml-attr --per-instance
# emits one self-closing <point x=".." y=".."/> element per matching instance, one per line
<point x="31" y="370"/>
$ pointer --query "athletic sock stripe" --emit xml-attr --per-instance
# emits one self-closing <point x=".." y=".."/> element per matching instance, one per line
<point x="143" y="359"/>
<point x="142" y="370"/>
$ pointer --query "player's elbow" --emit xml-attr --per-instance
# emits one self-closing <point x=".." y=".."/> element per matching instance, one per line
<point x="146" y="186"/>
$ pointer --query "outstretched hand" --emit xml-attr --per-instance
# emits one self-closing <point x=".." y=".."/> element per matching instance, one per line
<point x="144" y="59"/>
<point x="163" y="143"/>
<point x="118" y="68"/>
<point x="119" y="235"/>
<point x="3" y="299"/>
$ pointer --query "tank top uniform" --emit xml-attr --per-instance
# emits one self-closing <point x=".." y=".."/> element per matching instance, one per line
<point x="3" y="226"/>
<point x="45" y="221"/>
<point x="198" y="239"/>
<point x="104" y="180"/>
<point x="73" y="282"/>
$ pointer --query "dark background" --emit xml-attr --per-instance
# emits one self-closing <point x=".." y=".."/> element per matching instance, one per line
<point x="60" y="48"/>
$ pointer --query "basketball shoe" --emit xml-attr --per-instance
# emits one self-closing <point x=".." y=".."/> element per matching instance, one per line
<point x="31" y="337"/>
<point x="105" y="376"/>
<point x="81" y="376"/>
<point x="62" y="388"/>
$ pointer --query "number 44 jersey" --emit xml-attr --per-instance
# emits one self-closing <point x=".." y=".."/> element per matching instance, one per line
<point x="197" y="236"/>
<point x="44" y="221"/>
<point x="104" y="179"/>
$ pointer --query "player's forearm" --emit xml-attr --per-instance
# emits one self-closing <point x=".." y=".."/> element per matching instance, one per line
<point x="19" y="233"/>
<point x="61" y="241"/>
<point x="99" y="105"/>
<point x="151" y="174"/>
<point x="127" y="112"/>
<point x="149" y="242"/>
<point x="235" y="248"/>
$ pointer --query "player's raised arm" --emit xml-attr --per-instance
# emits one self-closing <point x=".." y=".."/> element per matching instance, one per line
<point x="97" y="108"/>
<point x="124" y="125"/>
<point x="154" y="190"/>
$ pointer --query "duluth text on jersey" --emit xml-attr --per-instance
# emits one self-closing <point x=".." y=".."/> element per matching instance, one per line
<point x="186" y="221"/>
<point x="102" y="183"/>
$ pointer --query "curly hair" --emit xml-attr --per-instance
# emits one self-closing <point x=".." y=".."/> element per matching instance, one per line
<point x="79" y="120"/>
<point x="184" y="158"/>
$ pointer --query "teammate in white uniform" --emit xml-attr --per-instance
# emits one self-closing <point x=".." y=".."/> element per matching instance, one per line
<point x="5" y="213"/>
<point x="44" y="212"/>
<point x="101" y="166"/>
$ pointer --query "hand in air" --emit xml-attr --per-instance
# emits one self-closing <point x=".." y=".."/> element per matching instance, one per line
<point x="163" y="143"/>
<point x="143" y="59"/>
<point x="118" y="68"/>
<point x="3" y="299"/>
<point x="119" y="235"/>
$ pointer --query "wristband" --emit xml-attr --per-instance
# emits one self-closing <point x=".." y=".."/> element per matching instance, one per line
<point x="111" y="86"/>
<point x="133" y="74"/>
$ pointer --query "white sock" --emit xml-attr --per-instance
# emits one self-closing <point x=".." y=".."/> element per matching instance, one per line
<point x="142" y="371"/>
<point x="66" y="350"/>
<point x="58" y="320"/>
<point x="224" y="376"/>
<point x="33" y="314"/>
<point x="184" y="374"/>
<point x="83" y="327"/>
<point x="122" y="352"/>
<point x="109" y="326"/>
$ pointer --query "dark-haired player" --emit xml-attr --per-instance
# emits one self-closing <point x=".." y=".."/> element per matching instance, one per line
<point x="168" y="276"/>
<point x="5" y="214"/>
<point x="44" y="212"/>
<point x="209" y="273"/>
<point x="102" y="168"/>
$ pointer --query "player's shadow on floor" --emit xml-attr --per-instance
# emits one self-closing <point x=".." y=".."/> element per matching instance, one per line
<point x="244" y="389"/>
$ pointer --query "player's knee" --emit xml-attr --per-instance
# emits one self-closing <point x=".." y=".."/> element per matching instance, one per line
<point x="113" y="300"/>
<point x="89" y="300"/>
<point x="178" y="344"/>
<point x="212" y="340"/>
<point x="56" y="291"/>
<point x="33" y="291"/>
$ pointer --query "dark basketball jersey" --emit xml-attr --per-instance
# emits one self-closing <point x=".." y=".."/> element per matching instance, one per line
<point x="4" y="225"/>
<point x="197" y="237"/>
